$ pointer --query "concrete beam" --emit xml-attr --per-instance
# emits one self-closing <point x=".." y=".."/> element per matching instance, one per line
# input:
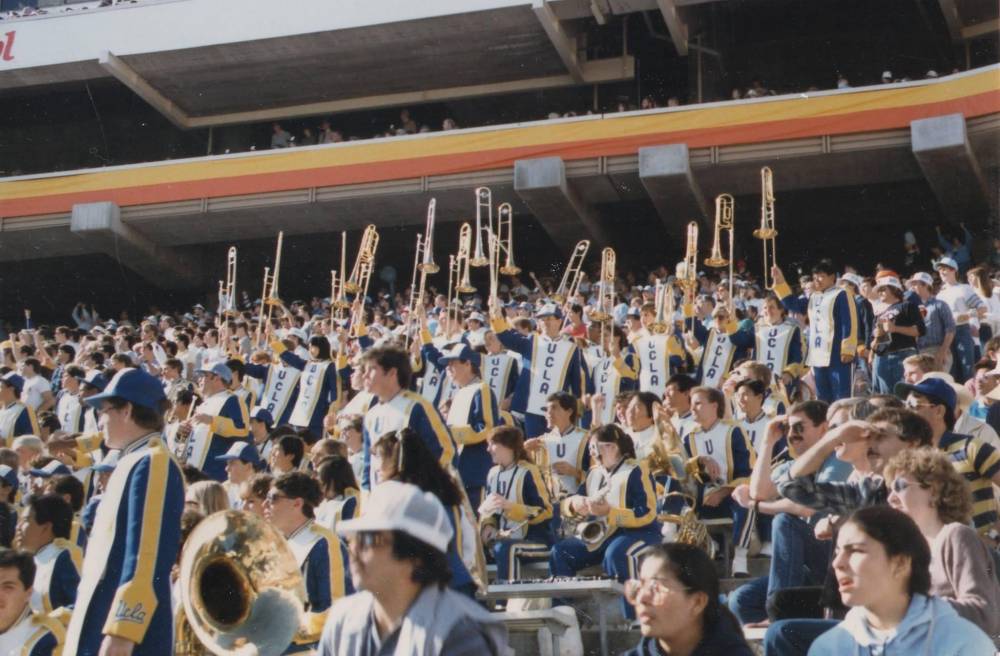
<point x="131" y="79"/>
<point x="980" y="29"/>
<point x="941" y="147"/>
<point x="564" y="44"/>
<point x="665" y="172"/>
<point x="949" y="9"/>
<point x="675" y="25"/>
<point x="541" y="184"/>
<point x="101" y="227"/>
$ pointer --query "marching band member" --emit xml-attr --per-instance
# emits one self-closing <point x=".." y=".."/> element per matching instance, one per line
<point x="472" y="414"/>
<point x="720" y="458"/>
<point x="322" y="557"/>
<point x="614" y="373"/>
<point x="93" y="383"/>
<point x="319" y="384"/>
<point x="23" y="631"/>
<point x="388" y="378"/>
<point x="678" y="399"/>
<point x="239" y="385"/>
<point x="641" y="427"/>
<point x="716" y="349"/>
<point x="623" y="505"/>
<point x="402" y="457"/>
<point x="44" y="531"/>
<point x="280" y="384"/>
<point x="16" y="418"/>
<point x="775" y="395"/>
<point x="261" y="424"/>
<point x="780" y="344"/>
<point x="659" y="355"/>
<point x="500" y="370"/>
<point x="220" y="419"/>
<point x="552" y="363"/>
<point x="833" y="329"/>
<point x="242" y="461"/>
<point x="123" y="601"/>
<point x="565" y="444"/>
<point x="69" y="408"/>
<point x="516" y="512"/>
<point x="341" y="492"/>
<point x="749" y="397"/>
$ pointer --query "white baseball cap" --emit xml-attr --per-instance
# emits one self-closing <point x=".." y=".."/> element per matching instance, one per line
<point x="395" y="506"/>
<point x="923" y="277"/>
<point x="947" y="262"/>
<point x="889" y="281"/>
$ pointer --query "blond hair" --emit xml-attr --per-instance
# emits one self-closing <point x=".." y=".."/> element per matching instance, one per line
<point x="933" y="469"/>
<point x="210" y="496"/>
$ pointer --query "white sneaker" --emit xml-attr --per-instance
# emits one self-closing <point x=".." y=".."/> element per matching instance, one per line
<point x="766" y="550"/>
<point x="740" y="568"/>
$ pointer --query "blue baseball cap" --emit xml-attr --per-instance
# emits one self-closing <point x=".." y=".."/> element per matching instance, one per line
<point x="54" y="468"/>
<point x="242" y="451"/>
<point x="262" y="414"/>
<point x="133" y="385"/>
<point x="13" y="380"/>
<point x="108" y="462"/>
<point x="219" y="369"/>
<point x="95" y="379"/>
<point x="459" y="351"/>
<point x="8" y="476"/>
<point x="933" y="388"/>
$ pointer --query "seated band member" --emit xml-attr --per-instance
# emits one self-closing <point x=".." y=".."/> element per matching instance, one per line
<point x="516" y="513"/>
<point x="321" y="555"/>
<point x="23" y="631"/>
<point x="220" y="420"/>
<point x="397" y="551"/>
<point x="472" y="414"/>
<point x="566" y="444"/>
<point x="720" y="459"/>
<point x="623" y="505"/>
<point x="44" y="531"/>
<point x="341" y="491"/>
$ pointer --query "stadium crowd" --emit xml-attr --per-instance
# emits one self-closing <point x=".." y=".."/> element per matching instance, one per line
<point x="845" y="430"/>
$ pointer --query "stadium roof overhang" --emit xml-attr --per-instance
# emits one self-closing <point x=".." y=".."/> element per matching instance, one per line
<point x="198" y="72"/>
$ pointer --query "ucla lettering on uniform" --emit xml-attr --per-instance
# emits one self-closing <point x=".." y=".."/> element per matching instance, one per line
<point x="560" y="450"/>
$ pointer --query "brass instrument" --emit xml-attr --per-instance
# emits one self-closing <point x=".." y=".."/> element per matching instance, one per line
<point x="592" y="533"/>
<point x="463" y="260"/>
<point x="227" y="288"/>
<point x="452" y="281"/>
<point x="363" y="263"/>
<point x="501" y="244"/>
<point x="767" y="232"/>
<point x="427" y="264"/>
<point x="269" y="298"/>
<point x="338" y="295"/>
<point x="606" y="296"/>
<point x="241" y="588"/>
<point x="540" y="457"/>
<point x="663" y="301"/>
<point x="723" y="221"/>
<point x="574" y="273"/>
<point x="687" y="271"/>
<point x="484" y="201"/>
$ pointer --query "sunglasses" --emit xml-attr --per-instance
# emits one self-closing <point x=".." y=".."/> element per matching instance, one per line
<point x="900" y="485"/>
<point x="368" y="539"/>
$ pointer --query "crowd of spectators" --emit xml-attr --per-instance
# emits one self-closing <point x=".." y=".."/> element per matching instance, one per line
<point x="29" y="11"/>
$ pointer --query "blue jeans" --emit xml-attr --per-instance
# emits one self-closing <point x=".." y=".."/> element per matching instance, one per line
<point x="794" y="637"/>
<point x="834" y="382"/>
<point x="797" y="559"/>
<point x="889" y="370"/>
<point x="963" y="349"/>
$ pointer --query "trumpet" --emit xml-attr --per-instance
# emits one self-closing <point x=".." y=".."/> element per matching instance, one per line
<point x="364" y="262"/>
<point x="269" y="297"/>
<point x="687" y="271"/>
<point x="574" y="273"/>
<point x="767" y="233"/>
<point x="502" y="245"/>
<point x="723" y="221"/>
<point x="227" y="289"/>
<point x="484" y="202"/>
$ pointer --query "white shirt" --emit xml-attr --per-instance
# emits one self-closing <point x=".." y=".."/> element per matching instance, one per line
<point x="34" y="388"/>
<point x="961" y="298"/>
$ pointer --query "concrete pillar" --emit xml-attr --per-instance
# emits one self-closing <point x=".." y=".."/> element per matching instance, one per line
<point x="665" y="172"/>
<point x="941" y="147"/>
<point x="101" y="226"/>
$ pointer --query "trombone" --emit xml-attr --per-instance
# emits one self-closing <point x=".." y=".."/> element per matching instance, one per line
<point x="501" y="244"/>
<point x="458" y="275"/>
<point x="767" y="233"/>
<point x="665" y="308"/>
<point x="362" y="274"/>
<point x="423" y="264"/>
<point x="227" y="288"/>
<point x="605" y="292"/>
<point x="338" y="295"/>
<point x="484" y="202"/>
<point x="269" y="296"/>
<point x="573" y="275"/>
<point x="723" y="221"/>
<point x="687" y="271"/>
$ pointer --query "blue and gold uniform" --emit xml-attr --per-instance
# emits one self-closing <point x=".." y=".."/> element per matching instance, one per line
<point x="17" y="419"/>
<point x="281" y="388"/>
<point x="407" y="410"/>
<point x="125" y="587"/>
<point x="322" y="558"/>
<point x="525" y="528"/>
<point x="472" y="414"/>
<point x="33" y="634"/>
<point x="57" y="576"/>
<point x="720" y="349"/>
<point x="319" y="387"/>
<point x="230" y="421"/>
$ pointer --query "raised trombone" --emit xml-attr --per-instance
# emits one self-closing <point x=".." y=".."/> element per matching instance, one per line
<point x="687" y="271"/>
<point x="484" y="204"/>
<point x="573" y="275"/>
<point x="227" y="288"/>
<point x="724" y="216"/>
<point x="269" y="298"/>
<point x="338" y="295"/>
<point x="767" y="232"/>
<point x="364" y="262"/>
<point x="501" y="241"/>
<point x="663" y="302"/>
<point x="423" y="264"/>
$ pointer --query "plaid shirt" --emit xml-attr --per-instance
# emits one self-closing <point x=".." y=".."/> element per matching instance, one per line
<point x="836" y="497"/>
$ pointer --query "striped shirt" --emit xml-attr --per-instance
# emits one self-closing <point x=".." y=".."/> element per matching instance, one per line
<point x="978" y="462"/>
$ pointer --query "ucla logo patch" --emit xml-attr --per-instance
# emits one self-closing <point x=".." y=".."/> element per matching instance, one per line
<point x="126" y="613"/>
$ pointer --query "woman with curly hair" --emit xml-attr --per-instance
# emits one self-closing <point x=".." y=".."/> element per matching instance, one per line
<point x="924" y="484"/>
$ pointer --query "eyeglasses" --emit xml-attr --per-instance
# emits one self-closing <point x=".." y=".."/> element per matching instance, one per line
<point x="913" y="404"/>
<point x="635" y="587"/>
<point x="275" y="496"/>
<point x="797" y="428"/>
<point x="368" y="540"/>
<point x="900" y="485"/>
